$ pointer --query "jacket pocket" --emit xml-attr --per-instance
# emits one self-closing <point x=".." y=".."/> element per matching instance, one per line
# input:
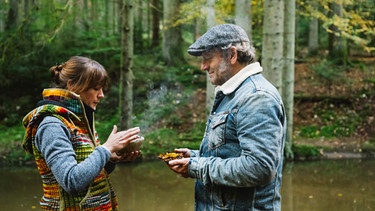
<point x="216" y="134"/>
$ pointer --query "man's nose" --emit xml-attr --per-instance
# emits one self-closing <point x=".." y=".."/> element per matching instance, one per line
<point x="204" y="66"/>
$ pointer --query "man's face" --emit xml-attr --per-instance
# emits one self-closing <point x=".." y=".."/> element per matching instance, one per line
<point x="217" y="67"/>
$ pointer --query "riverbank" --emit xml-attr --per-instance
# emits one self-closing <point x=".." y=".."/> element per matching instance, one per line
<point x="335" y="148"/>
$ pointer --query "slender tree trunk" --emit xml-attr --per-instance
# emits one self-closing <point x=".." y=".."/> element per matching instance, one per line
<point x="211" y="16"/>
<point x="12" y="18"/>
<point x="337" y="43"/>
<point x="272" y="47"/>
<point x="138" y="27"/>
<point x="155" y="23"/>
<point x="85" y="18"/>
<point x="94" y="12"/>
<point x="172" y="39"/>
<point x="313" y="36"/>
<point x="288" y="73"/>
<point x="243" y="15"/>
<point x="106" y="18"/>
<point x="313" y="42"/>
<point x="2" y="18"/>
<point x="26" y="9"/>
<point x="126" y="76"/>
<point x="210" y="89"/>
<point x="116" y="18"/>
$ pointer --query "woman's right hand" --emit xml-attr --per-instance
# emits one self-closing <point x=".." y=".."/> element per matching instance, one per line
<point x="118" y="140"/>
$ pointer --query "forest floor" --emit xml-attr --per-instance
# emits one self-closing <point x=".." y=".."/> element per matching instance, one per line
<point x="315" y="97"/>
<point x="346" y="94"/>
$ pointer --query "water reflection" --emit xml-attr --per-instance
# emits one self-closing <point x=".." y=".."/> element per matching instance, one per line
<point x="313" y="185"/>
<point x="329" y="185"/>
<point x="152" y="186"/>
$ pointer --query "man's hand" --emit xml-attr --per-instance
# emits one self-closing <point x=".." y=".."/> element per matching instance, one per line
<point x="180" y="166"/>
<point x="185" y="152"/>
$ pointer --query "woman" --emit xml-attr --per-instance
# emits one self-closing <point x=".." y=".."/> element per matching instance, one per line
<point x="61" y="135"/>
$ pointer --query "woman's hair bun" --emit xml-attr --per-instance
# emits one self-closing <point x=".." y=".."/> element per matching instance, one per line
<point x="55" y="72"/>
<point x="58" y="67"/>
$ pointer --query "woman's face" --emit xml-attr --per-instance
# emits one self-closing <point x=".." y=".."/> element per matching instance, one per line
<point x="92" y="96"/>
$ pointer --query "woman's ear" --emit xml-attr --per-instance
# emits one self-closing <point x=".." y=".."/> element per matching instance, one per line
<point x="69" y="85"/>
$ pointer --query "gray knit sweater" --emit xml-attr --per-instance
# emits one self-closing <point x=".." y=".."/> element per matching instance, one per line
<point x="53" y="141"/>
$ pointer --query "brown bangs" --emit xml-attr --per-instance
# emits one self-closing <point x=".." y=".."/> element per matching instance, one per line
<point x="98" y="78"/>
<point x="93" y="75"/>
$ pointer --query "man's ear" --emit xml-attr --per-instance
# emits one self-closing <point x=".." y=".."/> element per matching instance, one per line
<point x="233" y="55"/>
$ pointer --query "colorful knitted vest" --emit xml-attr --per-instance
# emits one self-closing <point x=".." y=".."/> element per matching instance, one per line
<point x="68" y="107"/>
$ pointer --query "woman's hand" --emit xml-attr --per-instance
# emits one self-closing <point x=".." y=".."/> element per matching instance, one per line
<point x="130" y="156"/>
<point x="118" y="140"/>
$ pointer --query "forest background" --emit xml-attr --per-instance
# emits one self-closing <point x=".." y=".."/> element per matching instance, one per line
<point x="319" y="54"/>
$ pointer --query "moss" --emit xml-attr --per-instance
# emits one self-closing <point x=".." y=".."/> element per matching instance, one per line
<point x="306" y="152"/>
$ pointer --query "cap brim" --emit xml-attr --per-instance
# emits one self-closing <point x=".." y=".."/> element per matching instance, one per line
<point x="195" y="52"/>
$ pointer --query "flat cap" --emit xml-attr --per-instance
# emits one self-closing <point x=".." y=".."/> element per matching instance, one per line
<point x="218" y="36"/>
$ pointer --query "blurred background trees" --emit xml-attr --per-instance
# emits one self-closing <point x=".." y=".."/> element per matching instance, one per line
<point x="145" y="50"/>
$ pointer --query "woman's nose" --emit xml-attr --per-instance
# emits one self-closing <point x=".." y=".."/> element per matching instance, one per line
<point x="101" y="93"/>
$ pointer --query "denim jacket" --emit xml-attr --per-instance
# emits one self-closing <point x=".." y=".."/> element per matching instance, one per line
<point x="239" y="163"/>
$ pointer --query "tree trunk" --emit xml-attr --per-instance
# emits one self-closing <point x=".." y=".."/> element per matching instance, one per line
<point x="12" y="18"/>
<point x="243" y="15"/>
<point x="288" y="73"/>
<point x="2" y="18"/>
<point x="172" y="39"/>
<point x="116" y="18"/>
<point x="210" y="89"/>
<point x="272" y="47"/>
<point x="211" y="16"/>
<point x="313" y="42"/>
<point x="313" y="39"/>
<point x="94" y="12"/>
<point x="138" y="27"/>
<point x="155" y="23"/>
<point x="126" y="76"/>
<point x="106" y="19"/>
<point x="337" y="44"/>
<point x="313" y="36"/>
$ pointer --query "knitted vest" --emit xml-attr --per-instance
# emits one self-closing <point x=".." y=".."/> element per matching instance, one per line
<point x="99" y="195"/>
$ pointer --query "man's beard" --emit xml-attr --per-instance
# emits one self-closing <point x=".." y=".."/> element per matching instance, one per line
<point x="224" y="74"/>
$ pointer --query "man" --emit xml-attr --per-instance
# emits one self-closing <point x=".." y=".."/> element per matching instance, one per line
<point x="239" y="163"/>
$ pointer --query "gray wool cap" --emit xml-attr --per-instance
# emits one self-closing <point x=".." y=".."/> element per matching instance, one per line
<point x="218" y="36"/>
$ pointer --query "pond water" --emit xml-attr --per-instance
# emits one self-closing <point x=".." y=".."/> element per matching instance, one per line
<point x="147" y="186"/>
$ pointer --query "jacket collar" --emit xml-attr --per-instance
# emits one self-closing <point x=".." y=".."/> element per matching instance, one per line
<point x="234" y="82"/>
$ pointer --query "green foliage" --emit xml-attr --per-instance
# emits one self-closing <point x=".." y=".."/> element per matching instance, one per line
<point x="160" y="140"/>
<point x="334" y="122"/>
<point x="305" y="151"/>
<point x="167" y="139"/>
<point x="11" y="151"/>
<point x="369" y="147"/>
<point x="328" y="71"/>
<point x="310" y="131"/>
<point x="356" y="24"/>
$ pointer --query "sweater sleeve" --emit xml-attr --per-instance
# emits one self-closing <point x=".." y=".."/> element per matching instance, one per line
<point x="53" y="141"/>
